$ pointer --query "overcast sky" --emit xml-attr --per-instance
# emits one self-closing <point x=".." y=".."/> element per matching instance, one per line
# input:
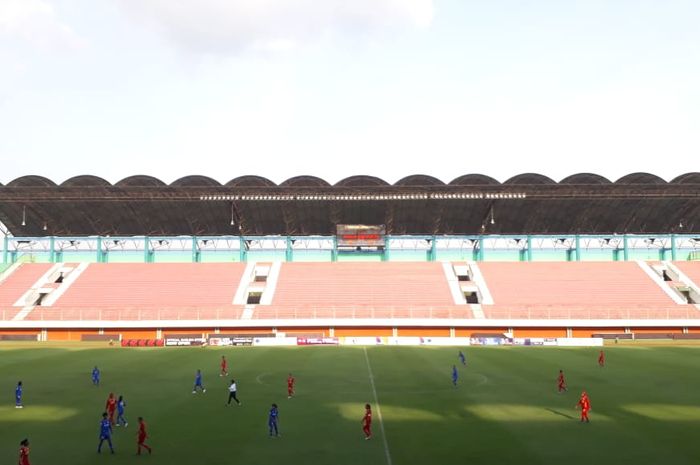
<point x="332" y="88"/>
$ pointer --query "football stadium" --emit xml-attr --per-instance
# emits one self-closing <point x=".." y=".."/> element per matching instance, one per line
<point x="448" y="308"/>
<point x="333" y="232"/>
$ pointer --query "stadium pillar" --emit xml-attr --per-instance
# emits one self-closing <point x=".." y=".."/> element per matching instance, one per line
<point x="480" y="253"/>
<point x="674" y="252"/>
<point x="5" y="244"/>
<point x="52" y="249"/>
<point x="529" y="248"/>
<point x="385" y="252"/>
<point x="625" y="248"/>
<point x="196" y="254"/>
<point x="243" y="255"/>
<point x="288" y="253"/>
<point x="147" y="252"/>
<point x="433" y="249"/>
<point x="99" y="255"/>
<point x="577" y="242"/>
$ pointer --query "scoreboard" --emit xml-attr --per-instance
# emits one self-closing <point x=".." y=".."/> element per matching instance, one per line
<point x="360" y="235"/>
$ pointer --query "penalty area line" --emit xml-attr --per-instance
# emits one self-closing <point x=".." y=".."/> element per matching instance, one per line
<point x="379" y="410"/>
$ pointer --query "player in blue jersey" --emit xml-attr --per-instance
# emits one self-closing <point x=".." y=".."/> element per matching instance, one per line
<point x="272" y="420"/>
<point x="18" y="395"/>
<point x="96" y="376"/>
<point x="198" y="382"/>
<point x="121" y="420"/>
<point x="455" y="375"/>
<point x="462" y="358"/>
<point x="105" y="433"/>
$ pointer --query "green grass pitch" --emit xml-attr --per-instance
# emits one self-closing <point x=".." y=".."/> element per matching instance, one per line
<point x="645" y="405"/>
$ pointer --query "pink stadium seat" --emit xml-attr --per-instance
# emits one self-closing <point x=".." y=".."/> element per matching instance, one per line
<point x="573" y="290"/>
<point x="16" y="284"/>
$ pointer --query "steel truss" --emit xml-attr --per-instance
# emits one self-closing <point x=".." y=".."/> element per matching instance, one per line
<point x="148" y="249"/>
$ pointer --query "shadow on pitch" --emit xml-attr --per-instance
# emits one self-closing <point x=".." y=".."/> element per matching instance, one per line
<point x="561" y="414"/>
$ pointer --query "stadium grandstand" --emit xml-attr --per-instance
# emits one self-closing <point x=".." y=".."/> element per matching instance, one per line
<point x="529" y="257"/>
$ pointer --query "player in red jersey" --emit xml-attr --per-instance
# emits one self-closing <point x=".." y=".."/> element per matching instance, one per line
<point x="601" y="359"/>
<point x="224" y="367"/>
<point x="24" y="452"/>
<point x="367" y="422"/>
<point x="111" y="406"/>
<point x="290" y="386"/>
<point x="584" y="403"/>
<point x="141" y="438"/>
<point x="561" y="382"/>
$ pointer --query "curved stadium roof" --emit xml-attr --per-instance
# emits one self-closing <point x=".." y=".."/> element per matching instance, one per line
<point x="528" y="203"/>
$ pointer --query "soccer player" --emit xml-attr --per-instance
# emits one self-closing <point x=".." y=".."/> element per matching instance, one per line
<point x="105" y="433"/>
<point x="232" y="393"/>
<point x="24" y="452"/>
<point x="584" y="403"/>
<point x="455" y="375"/>
<point x="96" y="376"/>
<point x="290" y="386"/>
<point x="18" y="395"/>
<point x="121" y="403"/>
<point x="272" y="420"/>
<point x="224" y="367"/>
<point x="198" y="383"/>
<point x="141" y="438"/>
<point x="367" y="422"/>
<point x="462" y="358"/>
<point x="111" y="406"/>
<point x="561" y="382"/>
<point x="601" y="359"/>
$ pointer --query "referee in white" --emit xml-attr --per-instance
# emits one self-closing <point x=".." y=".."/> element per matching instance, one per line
<point x="232" y="393"/>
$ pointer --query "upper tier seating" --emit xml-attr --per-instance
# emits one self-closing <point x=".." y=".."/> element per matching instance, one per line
<point x="577" y="290"/>
<point x="154" y="285"/>
<point x="16" y="284"/>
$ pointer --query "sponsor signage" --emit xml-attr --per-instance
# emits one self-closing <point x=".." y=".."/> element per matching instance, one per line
<point x="314" y="341"/>
<point x="184" y="341"/>
<point x="231" y="341"/>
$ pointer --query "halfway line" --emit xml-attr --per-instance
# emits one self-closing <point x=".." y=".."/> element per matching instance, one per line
<point x="379" y="410"/>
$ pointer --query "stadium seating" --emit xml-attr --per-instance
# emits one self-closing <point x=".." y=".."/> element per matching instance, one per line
<point x="691" y="270"/>
<point x="362" y="290"/>
<point x="351" y="290"/>
<point x="17" y="283"/>
<point x="574" y="290"/>
<point x="362" y="284"/>
<point x="138" y="285"/>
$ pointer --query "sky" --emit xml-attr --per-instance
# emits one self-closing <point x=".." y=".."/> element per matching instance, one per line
<point x="332" y="88"/>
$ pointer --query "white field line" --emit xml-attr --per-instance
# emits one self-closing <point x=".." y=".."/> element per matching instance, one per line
<point x="379" y="410"/>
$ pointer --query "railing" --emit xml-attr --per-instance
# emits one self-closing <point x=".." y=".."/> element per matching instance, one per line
<point x="263" y="312"/>
<point x="566" y="312"/>
<point x="235" y="312"/>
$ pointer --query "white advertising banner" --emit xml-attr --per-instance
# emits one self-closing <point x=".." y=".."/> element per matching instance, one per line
<point x="580" y="341"/>
<point x="275" y="341"/>
<point x="428" y="341"/>
<point x="363" y="341"/>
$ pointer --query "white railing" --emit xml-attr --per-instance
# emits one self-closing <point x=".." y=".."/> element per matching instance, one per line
<point x="355" y="312"/>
